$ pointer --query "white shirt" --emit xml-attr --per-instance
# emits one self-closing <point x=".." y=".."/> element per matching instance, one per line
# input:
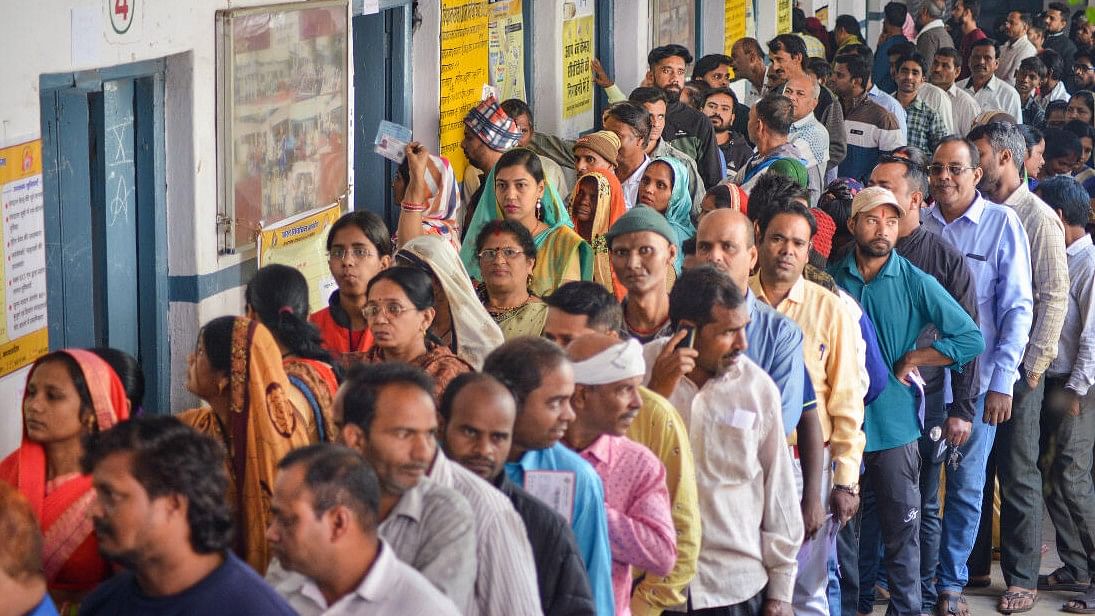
<point x="389" y="587"/>
<point x="966" y="109"/>
<point x="752" y="523"/>
<point x="1058" y="93"/>
<point x="747" y="93"/>
<point x="1011" y="54"/>
<point x="631" y="184"/>
<point x="996" y="94"/>
<point x="937" y="99"/>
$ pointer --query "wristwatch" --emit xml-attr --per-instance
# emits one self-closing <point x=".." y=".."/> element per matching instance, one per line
<point x="852" y="489"/>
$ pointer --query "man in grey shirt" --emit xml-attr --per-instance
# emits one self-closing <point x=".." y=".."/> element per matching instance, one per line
<point x="386" y="412"/>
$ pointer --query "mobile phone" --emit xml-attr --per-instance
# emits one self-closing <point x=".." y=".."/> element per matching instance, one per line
<point x="689" y="340"/>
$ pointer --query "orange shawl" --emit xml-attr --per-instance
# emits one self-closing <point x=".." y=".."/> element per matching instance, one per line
<point x="608" y="207"/>
<point x="262" y="427"/>
<point x="70" y="552"/>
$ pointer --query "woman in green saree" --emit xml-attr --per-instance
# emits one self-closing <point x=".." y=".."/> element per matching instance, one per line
<point x="520" y="194"/>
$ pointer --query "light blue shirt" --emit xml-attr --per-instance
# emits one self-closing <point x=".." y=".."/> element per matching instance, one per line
<point x="994" y="243"/>
<point x="775" y="344"/>
<point x="589" y="521"/>
<point x="890" y="104"/>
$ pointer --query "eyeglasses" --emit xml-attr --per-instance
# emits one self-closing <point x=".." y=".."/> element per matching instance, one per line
<point x="490" y="254"/>
<point x="392" y="310"/>
<point x="339" y="253"/>
<point x="1082" y="68"/>
<point x="938" y="169"/>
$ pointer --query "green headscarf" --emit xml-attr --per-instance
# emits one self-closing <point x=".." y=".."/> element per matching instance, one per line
<point x="679" y="211"/>
<point x="552" y="213"/>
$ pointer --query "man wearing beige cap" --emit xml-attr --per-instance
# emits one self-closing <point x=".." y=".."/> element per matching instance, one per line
<point x="901" y="300"/>
<point x="596" y="150"/>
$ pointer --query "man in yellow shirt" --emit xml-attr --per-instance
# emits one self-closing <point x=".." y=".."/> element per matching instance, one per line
<point x="786" y="228"/>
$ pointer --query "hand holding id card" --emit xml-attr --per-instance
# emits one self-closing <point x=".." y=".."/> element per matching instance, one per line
<point x="391" y="139"/>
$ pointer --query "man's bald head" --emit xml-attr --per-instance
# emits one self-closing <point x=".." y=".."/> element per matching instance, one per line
<point x="590" y="345"/>
<point x="479" y="413"/>
<point x="725" y="239"/>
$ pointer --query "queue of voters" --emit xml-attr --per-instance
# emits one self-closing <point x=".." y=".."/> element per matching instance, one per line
<point x="806" y="329"/>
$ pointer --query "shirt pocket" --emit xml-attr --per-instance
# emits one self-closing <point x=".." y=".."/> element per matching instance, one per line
<point x="730" y="445"/>
<point x="984" y="278"/>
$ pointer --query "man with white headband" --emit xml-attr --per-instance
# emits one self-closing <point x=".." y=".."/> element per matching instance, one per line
<point x="606" y="400"/>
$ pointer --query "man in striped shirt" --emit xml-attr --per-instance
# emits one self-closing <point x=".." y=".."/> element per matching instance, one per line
<point x="871" y="129"/>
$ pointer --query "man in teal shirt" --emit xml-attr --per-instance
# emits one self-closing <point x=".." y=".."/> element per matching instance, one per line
<point x="901" y="300"/>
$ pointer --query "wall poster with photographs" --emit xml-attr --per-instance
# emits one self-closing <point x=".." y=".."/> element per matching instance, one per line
<point x="282" y="123"/>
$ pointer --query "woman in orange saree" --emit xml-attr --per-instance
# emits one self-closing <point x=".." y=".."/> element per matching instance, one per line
<point x="69" y="394"/>
<point x="237" y="369"/>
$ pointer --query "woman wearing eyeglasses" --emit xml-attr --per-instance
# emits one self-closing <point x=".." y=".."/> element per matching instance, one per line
<point x="400" y="309"/>
<point x="507" y="257"/>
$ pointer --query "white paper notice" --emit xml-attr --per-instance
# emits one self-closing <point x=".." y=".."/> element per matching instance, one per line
<point x="555" y="488"/>
<point x="24" y="246"/>
<point x="368" y="7"/>
<point x="87" y="35"/>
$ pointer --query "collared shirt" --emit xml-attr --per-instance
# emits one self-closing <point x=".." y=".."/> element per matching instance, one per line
<point x="966" y="108"/>
<point x="431" y="529"/>
<point x="747" y="93"/>
<point x="811" y="138"/>
<point x="505" y="578"/>
<point x="935" y="256"/>
<point x="925" y="126"/>
<point x="631" y="184"/>
<point x="870" y="130"/>
<point x="1076" y="356"/>
<point x="902" y="300"/>
<point x="992" y="238"/>
<point x="830" y="344"/>
<point x="752" y="523"/>
<point x="1058" y="93"/>
<point x="996" y="94"/>
<point x="936" y="99"/>
<point x="1012" y="53"/>
<point x="640" y="528"/>
<point x="1046" y="235"/>
<point x="45" y="607"/>
<point x="889" y="103"/>
<point x="1033" y="113"/>
<point x="775" y="344"/>
<point x="659" y="428"/>
<point x="588" y="519"/>
<point x="390" y="586"/>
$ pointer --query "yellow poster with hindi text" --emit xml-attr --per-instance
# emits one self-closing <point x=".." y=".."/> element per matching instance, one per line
<point x="464" y="71"/>
<point x="301" y="243"/>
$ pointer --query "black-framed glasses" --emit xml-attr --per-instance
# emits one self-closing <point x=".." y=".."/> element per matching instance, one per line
<point x="1081" y="67"/>
<point x="937" y="169"/>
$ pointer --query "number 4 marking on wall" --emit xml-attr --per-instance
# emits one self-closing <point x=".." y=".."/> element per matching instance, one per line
<point x="121" y="14"/>
<point x="121" y="7"/>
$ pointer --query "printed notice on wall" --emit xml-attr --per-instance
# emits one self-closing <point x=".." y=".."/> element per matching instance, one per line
<point x="464" y="71"/>
<point x="783" y="16"/>
<point x="23" y="334"/>
<point x="577" y="53"/>
<point x="301" y="242"/>
<point x="506" y="41"/>
<point x="734" y="23"/>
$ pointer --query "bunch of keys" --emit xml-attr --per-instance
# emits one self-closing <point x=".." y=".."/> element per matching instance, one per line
<point x="944" y="451"/>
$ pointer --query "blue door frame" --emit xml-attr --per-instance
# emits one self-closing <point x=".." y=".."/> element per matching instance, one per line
<point x="382" y="91"/>
<point x="106" y="217"/>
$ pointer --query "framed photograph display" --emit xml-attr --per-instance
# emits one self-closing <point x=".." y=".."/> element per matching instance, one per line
<point x="282" y="135"/>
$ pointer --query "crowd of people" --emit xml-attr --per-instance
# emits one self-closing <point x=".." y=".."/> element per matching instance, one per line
<point x="763" y="346"/>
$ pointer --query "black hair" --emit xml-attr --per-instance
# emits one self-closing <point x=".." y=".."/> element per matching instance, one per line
<point x="169" y="457"/>
<point x="1034" y="65"/>
<point x="598" y="304"/>
<point x="751" y="45"/>
<point x="1003" y="136"/>
<point x="1088" y="98"/>
<point x="455" y="386"/>
<point x="709" y="63"/>
<point x="770" y="189"/>
<point x="1060" y="7"/>
<point x="515" y="107"/>
<point x="902" y="48"/>
<point x="364" y="383"/>
<point x="861" y="50"/>
<point x="1031" y="135"/>
<point x="857" y="67"/>
<point x="974" y="7"/>
<point x="722" y="196"/>
<point x="370" y="224"/>
<point x="698" y="290"/>
<point x="777" y="112"/>
<point x="216" y="337"/>
<point x="129" y="373"/>
<point x="820" y="67"/>
<point x="516" y="229"/>
<point x="337" y="475"/>
<point x="279" y="296"/>
<point x="895" y="13"/>
<point x="793" y="44"/>
<point x="798" y="20"/>
<point x="658" y="54"/>
<point x="848" y="24"/>
<point x="915" y="175"/>
<point x="1061" y="143"/>
<point x="971" y="149"/>
<point x="1066" y="194"/>
<point x="1080" y="129"/>
<point x="1054" y="107"/>
<point x="87" y="406"/>
<point x="1084" y="52"/>
<point x="1055" y="65"/>
<point x="647" y="95"/>
<point x="950" y="52"/>
<point x="522" y="157"/>
<point x="520" y="364"/>
<point x="416" y="283"/>
<point x="724" y="91"/>
<point x="838" y="205"/>
<point x="917" y="57"/>
<point x="987" y="42"/>
<point x="786" y="206"/>
<point x="634" y="116"/>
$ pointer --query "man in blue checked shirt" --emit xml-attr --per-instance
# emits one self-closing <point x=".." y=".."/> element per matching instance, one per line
<point x="995" y="245"/>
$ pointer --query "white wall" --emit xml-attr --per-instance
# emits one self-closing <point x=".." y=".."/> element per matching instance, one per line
<point x="713" y="19"/>
<point x="426" y="80"/>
